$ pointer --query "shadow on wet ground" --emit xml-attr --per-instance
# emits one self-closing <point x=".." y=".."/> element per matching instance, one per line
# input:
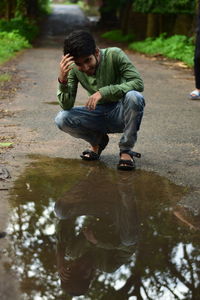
<point x="106" y="234"/>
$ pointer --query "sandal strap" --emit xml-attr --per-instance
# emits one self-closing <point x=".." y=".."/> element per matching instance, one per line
<point x="88" y="151"/>
<point x="126" y="162"/>
<point x="92" y="155"/>
<point x="131" y="153"/>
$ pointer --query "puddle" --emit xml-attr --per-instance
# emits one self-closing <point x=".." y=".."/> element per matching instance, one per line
<point x="109" y="234"/>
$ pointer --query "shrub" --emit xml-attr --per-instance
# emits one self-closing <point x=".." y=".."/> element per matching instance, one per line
<point x="10" y="42"/>
<point x="118" y="36"/>
<point x="24" y="27"/>
<point x="177" y="47"/>
<point x="5" y="77"/>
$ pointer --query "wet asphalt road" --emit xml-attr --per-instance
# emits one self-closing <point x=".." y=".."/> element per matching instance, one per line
<point x="169" y="137"/>
<point x="64" y="19"/>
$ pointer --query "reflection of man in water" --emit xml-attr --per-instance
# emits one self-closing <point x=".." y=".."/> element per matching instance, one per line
<point x="107" y="236"/>
<point x="75" y="275"/>
<point x="79" y="256"/>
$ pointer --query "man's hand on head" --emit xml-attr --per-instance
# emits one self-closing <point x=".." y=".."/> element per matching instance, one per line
<point x="93" y="100"/>
<point x="66" y="65"/>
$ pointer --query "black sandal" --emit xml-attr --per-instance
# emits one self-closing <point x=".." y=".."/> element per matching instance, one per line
<point x="93" y="155"/>
<point x="128" y="165"/>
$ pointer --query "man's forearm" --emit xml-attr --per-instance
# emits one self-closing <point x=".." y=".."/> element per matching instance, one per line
<point x="65" y="100"/>
<point x="117" y="91"/>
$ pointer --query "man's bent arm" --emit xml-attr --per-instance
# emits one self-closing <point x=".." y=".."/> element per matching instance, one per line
<point x="130" y="78"/>
<point x="66" y="93"/>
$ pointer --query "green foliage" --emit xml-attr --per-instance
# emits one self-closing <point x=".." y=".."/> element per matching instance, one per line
<point x="24" y="27"/>
<point x="110" y="4"/>
<point x="24" y="8"/>
<point x="5" y="77"/>
<point x="15" y="35"/>
<point x="164" y="7"/>
<point x="176" y="47"/>
<point x="6" y="145"/>
<point x="90" y="10"/>
<point x="118" y="36"/>
<point x="44" y="6"/>
<point x="68" y="2"/>
<point x="10" y="42"/>
<point x="17" y="32"/>
<point x="84" y="6"/>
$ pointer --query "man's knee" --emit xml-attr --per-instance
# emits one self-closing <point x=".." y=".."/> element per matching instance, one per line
<point x="61" y="119"/>
<point x="135" y="100"/>
<point x="67" y="119"/>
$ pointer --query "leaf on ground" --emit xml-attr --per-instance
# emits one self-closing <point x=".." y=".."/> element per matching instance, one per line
<point x="6" y="144"/>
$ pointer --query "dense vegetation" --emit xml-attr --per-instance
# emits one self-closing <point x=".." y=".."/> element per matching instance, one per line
<point x="118" y="36"/>
<point x="19" y="24"/>
<point x="177" y="47"/>
<point x="157" y="27"/>
<point x="24" y="8"/>
<point x="10" y="42"/>
<point x="164" y="7"/>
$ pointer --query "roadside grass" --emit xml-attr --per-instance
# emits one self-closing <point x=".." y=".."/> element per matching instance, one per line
<point x="22" y="26"/>
<point x="117" y="36"/>
<point x="15" y="34"/>
<point x="178" y="47"/>
<point x="10" y="43"/>
<point x="5" y="77"/>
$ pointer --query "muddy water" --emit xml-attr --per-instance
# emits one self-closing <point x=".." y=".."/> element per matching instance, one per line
<point x="106" y="234"/>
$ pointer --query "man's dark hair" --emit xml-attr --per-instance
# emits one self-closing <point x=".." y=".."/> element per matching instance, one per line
<point x="79" y="43"/>
<point x="80" y="276"/>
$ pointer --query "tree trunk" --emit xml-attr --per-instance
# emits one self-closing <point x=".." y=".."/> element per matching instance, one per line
<point x="183" y="24"/>
<point x="32" y="8"/>
<point x="9" y="9"/>
<point x="108" y="14"/>
<point x="152" y="25"/>
<point x="125" y="16"/>
<point x="198" y="15"/>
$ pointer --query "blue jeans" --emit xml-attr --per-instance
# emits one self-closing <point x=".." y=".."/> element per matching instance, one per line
<point x="123" y="116"/>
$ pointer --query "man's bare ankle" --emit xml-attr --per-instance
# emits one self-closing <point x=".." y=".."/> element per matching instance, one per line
<point x="95" y="148"/>
<point x="126" y="156"/>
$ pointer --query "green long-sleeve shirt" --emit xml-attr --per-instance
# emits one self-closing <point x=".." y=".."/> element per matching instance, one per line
<point x="115" y="76"/>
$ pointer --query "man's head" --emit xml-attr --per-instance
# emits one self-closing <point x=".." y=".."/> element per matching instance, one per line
<point x="80" y="273"/>
<point x="82" y="47"/>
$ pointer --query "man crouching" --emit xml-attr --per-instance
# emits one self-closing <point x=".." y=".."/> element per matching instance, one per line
<point x="114" y="105"/>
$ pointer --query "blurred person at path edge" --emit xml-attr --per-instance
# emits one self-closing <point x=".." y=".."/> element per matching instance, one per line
<point x="195" y="95"/>
<point x="114" y="104"/>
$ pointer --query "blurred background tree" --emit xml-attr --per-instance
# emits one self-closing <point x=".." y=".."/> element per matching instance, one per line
<point x="19" y="24"/>
<point x="24" y="8"/>
<point x="147" y="18"/>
